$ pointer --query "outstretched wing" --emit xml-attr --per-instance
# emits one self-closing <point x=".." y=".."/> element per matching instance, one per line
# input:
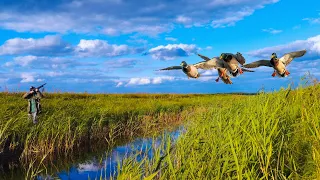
<point x="204" y="57"/>
<point x="207" y="65"/>
<point x="246" y="70"/>
<point x="240" y="58"/>
<point x="287" y="58"/>
<point x="171" y="68"/>
<point x="258" y="63"/>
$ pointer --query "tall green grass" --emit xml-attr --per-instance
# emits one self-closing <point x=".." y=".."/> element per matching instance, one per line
<point x="76" y="121"/>
<point x="267" y="136"/>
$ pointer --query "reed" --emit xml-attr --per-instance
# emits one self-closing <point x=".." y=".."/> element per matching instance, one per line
<point x="72" y="122"/>
<point x="267" y="136"/>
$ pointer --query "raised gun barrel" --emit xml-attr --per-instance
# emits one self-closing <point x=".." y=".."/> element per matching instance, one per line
<point x="41" y="86"/>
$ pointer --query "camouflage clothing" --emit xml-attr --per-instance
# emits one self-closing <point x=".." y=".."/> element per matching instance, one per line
<point x="33" y="104"/>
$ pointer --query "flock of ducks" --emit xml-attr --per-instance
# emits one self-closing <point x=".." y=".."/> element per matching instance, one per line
<point x="228" y="66"/>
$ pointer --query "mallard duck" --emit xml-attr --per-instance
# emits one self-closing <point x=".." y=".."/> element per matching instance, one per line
<point x="232" y="62"/>
<point x="220" y="65"/>
<point x="279" y="65"/>
<point x="190" y="70"/>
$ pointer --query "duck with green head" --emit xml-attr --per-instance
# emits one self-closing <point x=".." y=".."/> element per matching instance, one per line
<point x="232" y="63"/>
<point x="278" y="64"/>
<point x="218" y="64"/>
<point x="189" y="69"/>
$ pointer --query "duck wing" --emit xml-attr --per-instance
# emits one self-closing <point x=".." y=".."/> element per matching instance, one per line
<point x="204" y="57"/>
<point x="207" y="65"/>
<point x="171" y="68"/>
<point x="246" y="70"/>
<point x="287" y="58"/>
<point x="258" y="63"/>
<point x="240" y="58"/>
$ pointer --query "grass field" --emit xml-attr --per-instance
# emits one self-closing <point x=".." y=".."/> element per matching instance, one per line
<point x="267" y="136"/>
<point x="72" y="121"/>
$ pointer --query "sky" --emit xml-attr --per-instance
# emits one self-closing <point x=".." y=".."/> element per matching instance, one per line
<point x="117" y="46"/>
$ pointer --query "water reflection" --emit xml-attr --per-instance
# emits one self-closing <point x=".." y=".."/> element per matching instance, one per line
<point x="107" y="167"/>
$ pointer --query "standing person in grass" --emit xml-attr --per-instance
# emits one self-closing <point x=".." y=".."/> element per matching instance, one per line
<point x="33" y="96"/>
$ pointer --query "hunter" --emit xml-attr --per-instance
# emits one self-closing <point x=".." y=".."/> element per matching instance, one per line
<point x="34" y="108"/>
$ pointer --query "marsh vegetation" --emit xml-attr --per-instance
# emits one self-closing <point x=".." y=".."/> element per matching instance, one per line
<point x="264" y="136"/>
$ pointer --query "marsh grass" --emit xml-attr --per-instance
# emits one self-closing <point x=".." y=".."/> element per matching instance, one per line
<point x="72" y="123"/>
<point x="266" y="136"/>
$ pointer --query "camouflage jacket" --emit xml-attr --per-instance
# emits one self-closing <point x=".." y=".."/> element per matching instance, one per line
<point x="33" y="98"/>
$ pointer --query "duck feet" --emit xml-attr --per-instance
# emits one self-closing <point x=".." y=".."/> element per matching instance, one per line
<point x="222" y="74"/>
<point x="217" y="80"/>
<point x="287" y="73"/>
<point x="274" y="74"/>
<point x="240" y="71"/>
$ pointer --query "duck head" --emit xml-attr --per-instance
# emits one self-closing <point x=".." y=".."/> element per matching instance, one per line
<point x="274" y="59"/>
<point x="225" y="57"/>
<point x="183" y="64"/>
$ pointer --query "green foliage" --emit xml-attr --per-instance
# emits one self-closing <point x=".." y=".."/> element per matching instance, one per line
<point x="266" y="136"/>
<point x="68" y="121"/>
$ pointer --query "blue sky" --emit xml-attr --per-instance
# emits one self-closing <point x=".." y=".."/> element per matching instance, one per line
<point x="115" y="46"/>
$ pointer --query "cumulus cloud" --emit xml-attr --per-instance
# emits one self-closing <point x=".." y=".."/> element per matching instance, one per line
<point x="54" y="45"/>
<point x="231" y="18"/>
<point x="100" y="48"/>
<point x="117" y="17"/>
<point x="44" y="62"/>
<point x="172" y="51"/>
<point x="144" y="81"/>
<point x="272" y="31"/>
<point x="159" y="80"/>
<point x="312" y="45"/>
<point x="49" y="45"/>
<point x="29" y="77"/>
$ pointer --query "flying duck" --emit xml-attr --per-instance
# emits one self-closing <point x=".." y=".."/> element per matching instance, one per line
<point x="232" y="62"/>
<point x="190" y="70"/>
<point x="221" y="66"/>
<point x="279" y="65"/>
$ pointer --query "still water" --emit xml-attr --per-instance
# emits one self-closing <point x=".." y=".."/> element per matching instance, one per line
<point x="95" y="168"/>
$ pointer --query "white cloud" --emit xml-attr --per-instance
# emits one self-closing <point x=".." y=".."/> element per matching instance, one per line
<point x="28" y="77"/>
<point x="24" y="60"/>
<point x="208" y="48"/>
<point x="40" y="80"/>
<point x="183" y="19"/>
<point x="272" y="31"/>
<point x="312" y="20"/>
<point x="170" y="39"/>
<point x="145" y="81"/>
<point x="312" y="45"/>
<point x="172" y="51"/>
<point x="231" y="18"/>
<point x="55" y="74"/>
<point x="43" y="62"/>
<point x="119" y="84"/>
<point x="118" y="17"/>
<point x="49" y="45"/>
<point x="100" y="48"/>
<point x="159" y="80"/>
<point x="139" y="81"/>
